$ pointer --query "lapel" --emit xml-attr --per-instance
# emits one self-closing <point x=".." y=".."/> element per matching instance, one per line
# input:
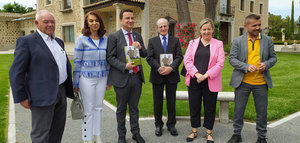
<point x="158" y="45"/>
<point x="212" y="49"/>
<point x="195" y="46"/>
<point x="245" y="46"/>
<point x="44" y="46"/>
<point x="122" y="38"/>
<point x="261" y="42"/>
<point x="169" y="44"/>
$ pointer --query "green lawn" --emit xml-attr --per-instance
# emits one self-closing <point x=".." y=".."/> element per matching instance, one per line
<point x="284" y="98"/>
<point x="5" y="62"/>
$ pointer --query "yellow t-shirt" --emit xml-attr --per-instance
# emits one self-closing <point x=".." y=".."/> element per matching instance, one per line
<point x="257" y="77"/>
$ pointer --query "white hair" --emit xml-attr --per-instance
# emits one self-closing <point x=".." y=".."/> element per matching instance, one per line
<point x="161" y="19"/>
<point x="37" y="15"/>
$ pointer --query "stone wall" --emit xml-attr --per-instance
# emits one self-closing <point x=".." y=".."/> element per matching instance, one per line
<point x="9" y="32"/>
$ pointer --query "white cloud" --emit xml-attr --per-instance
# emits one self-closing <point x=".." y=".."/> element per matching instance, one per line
<point x="26" y="3"/>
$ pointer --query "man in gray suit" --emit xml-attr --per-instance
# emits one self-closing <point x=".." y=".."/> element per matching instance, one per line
<point x="251" y="55"/>
<point x="162" y="75"/>
<point x="126" y="78"/>
<point x="40" y="79"/>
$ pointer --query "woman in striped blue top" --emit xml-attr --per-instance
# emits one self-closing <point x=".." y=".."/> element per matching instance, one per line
<point x="90" y="72"/>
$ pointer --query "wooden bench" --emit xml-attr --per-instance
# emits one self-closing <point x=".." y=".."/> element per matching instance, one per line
<point x="223" y="97"/>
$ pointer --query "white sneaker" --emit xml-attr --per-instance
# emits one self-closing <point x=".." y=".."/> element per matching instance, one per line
<point x="97" y="139"/>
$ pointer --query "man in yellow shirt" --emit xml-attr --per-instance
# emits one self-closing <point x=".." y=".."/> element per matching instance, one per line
<point x="251" y="55"/>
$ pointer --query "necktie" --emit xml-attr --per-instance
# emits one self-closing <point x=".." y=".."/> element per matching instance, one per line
<point x="135" y="69"/>
<point x="165" y="44"/>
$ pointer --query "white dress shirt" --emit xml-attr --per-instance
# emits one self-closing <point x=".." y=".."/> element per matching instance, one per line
<point x="58" y="54"/>
<point x="162" y="40"/>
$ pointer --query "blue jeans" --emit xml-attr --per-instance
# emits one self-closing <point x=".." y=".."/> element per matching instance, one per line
<point x="260" y="95"/>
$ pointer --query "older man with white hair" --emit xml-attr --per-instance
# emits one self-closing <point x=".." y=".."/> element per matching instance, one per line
<point x="164" y="72"/>
<point x="40" y="79"/>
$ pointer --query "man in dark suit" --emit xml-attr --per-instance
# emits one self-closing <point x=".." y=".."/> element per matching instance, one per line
<point x="40" y="79"/>
<point x="162" y="75"/>
<point x="126" y="78"/>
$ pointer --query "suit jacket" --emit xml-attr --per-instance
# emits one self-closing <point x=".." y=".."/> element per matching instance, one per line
<point x="34" y="73"/>
<point x="239" y="56"/>
<point x="155" y="48"/>
<point x="115" y="56"/>
<point x="215" y="65"/>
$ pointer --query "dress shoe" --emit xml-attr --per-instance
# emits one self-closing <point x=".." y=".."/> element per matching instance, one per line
<point x="158" y="131"/>
<point x="261" y="140"/>
<point x="173" y="131"/>
<point x="138" y="138"/>
<point x="235" y="139"/>
<point x="122" y="140"/>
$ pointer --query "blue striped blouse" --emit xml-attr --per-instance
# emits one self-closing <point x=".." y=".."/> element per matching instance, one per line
<point x="89" y="59"/>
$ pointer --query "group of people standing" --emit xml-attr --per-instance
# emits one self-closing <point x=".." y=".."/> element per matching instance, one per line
<point x="40" y="76"/>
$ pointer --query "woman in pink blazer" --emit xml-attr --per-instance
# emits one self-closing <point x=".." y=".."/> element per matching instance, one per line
<point x="203" y="60"/>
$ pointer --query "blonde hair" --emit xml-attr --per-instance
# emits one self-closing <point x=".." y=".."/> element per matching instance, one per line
<point x="205" y="21"/>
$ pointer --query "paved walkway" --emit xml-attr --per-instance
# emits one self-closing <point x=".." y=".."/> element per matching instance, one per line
<point x="286" y="132"/>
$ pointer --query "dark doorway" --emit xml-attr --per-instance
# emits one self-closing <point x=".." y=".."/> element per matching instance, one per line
<point x="224" y="32"/>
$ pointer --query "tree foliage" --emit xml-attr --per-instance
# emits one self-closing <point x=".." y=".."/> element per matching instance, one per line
<point x="16" y="8"/>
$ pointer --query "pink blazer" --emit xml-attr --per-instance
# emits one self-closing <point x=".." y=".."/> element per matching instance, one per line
<point x="215" y="65"/>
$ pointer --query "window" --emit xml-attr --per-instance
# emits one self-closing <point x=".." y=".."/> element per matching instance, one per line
<point x="242" y="5"/>
<point x="48" y="2"/>
<point x="241" y="31"/>
<point x="261" y="8"/>
<point x="251" y="6"/>
<point x="68" y="32"/>
<point x="66" y="4"/>
<point x="31" y="31"/>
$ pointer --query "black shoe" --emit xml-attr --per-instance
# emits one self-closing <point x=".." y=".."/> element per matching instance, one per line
<point x="261" y="140"/>
<point x="122" y="140"/>
<point x="138" y="138"/>
<point x="173" y="131"/>
<point x="188" y="139"/>
<point x="158" y="131"/>
<point x="235" y="139"/>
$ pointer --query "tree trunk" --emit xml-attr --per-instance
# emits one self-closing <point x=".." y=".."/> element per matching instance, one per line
<point x="211" y="9"/>
<point x="183" y="12"/>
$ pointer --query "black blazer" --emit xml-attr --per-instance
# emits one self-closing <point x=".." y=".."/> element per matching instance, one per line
<point x="155" y="48"/>
<point x="34" y="73"/>
<point x="115" y="56"/>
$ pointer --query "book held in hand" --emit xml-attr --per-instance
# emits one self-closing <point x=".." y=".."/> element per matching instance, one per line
<point x="166" y="59"/>
<point x="132" y="55"/>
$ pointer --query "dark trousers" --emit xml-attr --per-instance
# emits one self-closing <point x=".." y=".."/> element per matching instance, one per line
<point x="130" y="94"/>
<point x="260" y="95"/>
<point x="197" y="91"/>
<point x="48" y="123"/>
<point x="158" y="90"/>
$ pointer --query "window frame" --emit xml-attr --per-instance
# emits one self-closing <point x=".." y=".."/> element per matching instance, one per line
<point x="251" y="1"/>
<point x="63" y="32"/>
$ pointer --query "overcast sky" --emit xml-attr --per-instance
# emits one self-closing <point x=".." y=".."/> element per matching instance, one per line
<point x="278" y="7"/>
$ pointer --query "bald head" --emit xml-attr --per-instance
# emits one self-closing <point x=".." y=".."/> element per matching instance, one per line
<point x="162" y="26"/>
<point x="45" y="22"/>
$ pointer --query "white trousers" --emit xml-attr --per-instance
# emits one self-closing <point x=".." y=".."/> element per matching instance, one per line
<point x="92" y="91"/>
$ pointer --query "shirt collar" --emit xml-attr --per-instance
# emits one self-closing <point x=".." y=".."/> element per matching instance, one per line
<point x="45" y="36"/>
<point x="125" y="32"/>
<point x="257" y="38"/>
<point x="161" y="37"/>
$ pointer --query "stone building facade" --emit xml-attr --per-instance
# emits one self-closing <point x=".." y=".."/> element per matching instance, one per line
<point x="69" y="15"/>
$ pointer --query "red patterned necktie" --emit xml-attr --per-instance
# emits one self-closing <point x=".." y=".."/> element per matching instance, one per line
<point x="135" y="69"/>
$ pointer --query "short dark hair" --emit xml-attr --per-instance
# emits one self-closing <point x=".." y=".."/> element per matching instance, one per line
<point x="124" y="10"/>
<point x="251" y="16"/>
<point x="86" y="29"/>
